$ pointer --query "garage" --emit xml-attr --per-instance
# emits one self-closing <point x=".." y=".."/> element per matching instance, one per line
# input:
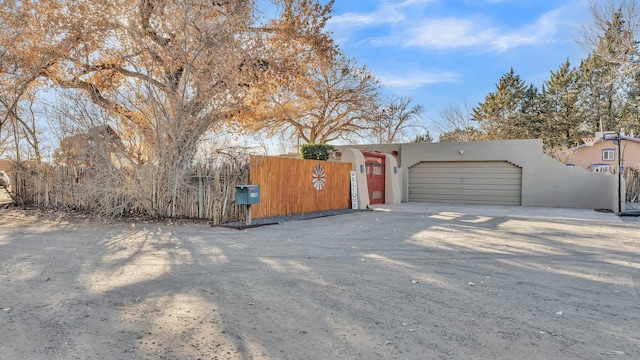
<point x="468" y="182"/>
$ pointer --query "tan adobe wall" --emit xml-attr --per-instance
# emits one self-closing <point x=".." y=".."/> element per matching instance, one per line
<point x="545" y="182"/>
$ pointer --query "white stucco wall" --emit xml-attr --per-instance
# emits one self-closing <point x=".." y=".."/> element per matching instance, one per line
<point x="355" y="157"/>
<point x="392" y="181"/>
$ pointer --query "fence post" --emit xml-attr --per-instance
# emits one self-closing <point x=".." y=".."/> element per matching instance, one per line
<point x="200" y="194"/>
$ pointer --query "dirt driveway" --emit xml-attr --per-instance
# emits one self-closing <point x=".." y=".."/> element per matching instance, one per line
<point x="367" y="285"/>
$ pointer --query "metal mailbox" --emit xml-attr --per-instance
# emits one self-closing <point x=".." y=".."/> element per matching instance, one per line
<point x="247" y="194"/>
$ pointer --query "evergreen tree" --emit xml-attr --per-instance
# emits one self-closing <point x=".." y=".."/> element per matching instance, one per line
<point x="531" y="123"/>
<point x="563" y="117"/>
<point x="500" y="115"/>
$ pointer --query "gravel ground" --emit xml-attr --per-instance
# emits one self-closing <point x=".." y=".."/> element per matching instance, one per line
<point x="361" y="285"/>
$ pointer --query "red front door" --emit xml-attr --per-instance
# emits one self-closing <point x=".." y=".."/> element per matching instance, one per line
<point x="375" y="180"/>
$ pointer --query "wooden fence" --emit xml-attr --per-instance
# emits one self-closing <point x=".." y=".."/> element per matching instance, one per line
<point x="632" y="178"/>
<point x="287" y="186"/>
<point x="208" y="193"/>
<point x="296" y="186"/>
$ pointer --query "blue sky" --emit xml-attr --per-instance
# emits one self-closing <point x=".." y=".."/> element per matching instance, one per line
<point x="444" y="52"/>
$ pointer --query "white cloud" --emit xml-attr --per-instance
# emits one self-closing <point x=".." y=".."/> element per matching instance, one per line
<point x="417" y="79"/>
<point x="454" y="33"/>
<point x="476" y="31"/>
<point x="385" y="14"/>
<point x="415" y="2"/>
<point x="543" y="30"/>
<point x="443" y="33"/>
<point x="359" y="20"/>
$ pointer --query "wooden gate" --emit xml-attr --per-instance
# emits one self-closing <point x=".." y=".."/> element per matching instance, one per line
<point x="296" y="186"/>
<point x="632" y="179"/>
<point x="374" y="163"/>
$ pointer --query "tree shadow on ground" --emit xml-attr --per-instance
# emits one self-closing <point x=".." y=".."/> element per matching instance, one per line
<point x="365" y="285"/>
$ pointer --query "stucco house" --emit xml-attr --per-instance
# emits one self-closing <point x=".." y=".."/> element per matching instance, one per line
<point x="506" y="172"/>
<point x="604" y="153"/>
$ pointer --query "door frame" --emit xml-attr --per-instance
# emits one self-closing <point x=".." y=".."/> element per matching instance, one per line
<point x="375" y="179"/>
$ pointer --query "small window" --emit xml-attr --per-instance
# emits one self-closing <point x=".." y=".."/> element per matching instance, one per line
<point x="608" y="154"/>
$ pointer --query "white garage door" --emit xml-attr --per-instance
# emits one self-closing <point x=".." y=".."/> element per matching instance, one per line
<point x="468" y="182"/>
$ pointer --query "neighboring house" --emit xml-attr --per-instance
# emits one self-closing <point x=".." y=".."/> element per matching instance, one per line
<point x="98" y="145"/>
<point x="602" y="155"/>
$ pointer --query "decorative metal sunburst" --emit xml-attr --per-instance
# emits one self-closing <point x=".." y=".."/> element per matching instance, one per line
<point x="318" y="177"/>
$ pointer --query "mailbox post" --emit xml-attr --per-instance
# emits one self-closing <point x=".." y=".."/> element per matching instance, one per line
<point x="248" y="195"/>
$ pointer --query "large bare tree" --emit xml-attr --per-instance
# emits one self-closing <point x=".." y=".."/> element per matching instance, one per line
<point x="167" y="71"/>
<point x="610" y="73"/>
<point x="456" y="125"/>
<point x="329" y="98"/>
<point x="23" y="55"/>
<point x="612" y="34"/>
<point x="397" y="117"/>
